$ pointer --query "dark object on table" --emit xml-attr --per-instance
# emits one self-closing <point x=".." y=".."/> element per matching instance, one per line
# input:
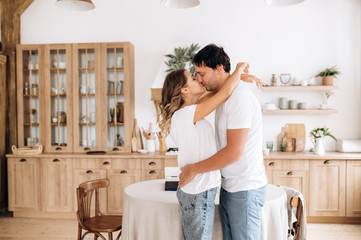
<point x="172" y="150"/>
<point x="95" y="152"/>
<point x="171" y="185"/>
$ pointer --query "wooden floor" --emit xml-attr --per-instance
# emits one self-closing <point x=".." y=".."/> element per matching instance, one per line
<point x="45" y="229"/>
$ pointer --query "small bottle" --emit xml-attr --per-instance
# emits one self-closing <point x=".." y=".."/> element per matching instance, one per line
<point x="273" y="80"/>
<point x="120" y="141"/>
<point x="26" y="88"/>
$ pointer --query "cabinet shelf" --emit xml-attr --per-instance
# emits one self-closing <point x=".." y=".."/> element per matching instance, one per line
<point x="89" y="94"/>
<point x="56" y="69"/>
<point x="113" y="123"/>
<point x="112" y="94"/>
<point x="60" y="95"/>
<point x="116" y="68"/>
<point x="30" y="70"/>
<point x="31" y="124"/>
<point x="83" y="69"/>
<point x="56" y="124"/>
<point x="83" y="124"/>
<point x="31" y="95"/>
<point x="299" y="88"/>
<point x="300" y="111"/>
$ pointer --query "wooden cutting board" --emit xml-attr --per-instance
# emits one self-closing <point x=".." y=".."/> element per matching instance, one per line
<point x="292" y="134"/>
<point x="295" y="132"/>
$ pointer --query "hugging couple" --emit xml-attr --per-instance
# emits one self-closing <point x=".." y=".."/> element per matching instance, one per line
<point x="230" y="157"/>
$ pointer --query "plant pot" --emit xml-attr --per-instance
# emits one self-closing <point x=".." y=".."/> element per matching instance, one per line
<point x="319" y="148"/>
<point x="327" y="80"/>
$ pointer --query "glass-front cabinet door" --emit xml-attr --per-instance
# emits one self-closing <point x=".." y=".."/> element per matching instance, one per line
<point x="118" y="89"/>
<point x="58" y="98"/>
<point x="29" y="95"/>
<point x="86" y="96"/>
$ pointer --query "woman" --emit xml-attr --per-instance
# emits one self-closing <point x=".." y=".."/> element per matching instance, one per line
<point x="183" y="117"/>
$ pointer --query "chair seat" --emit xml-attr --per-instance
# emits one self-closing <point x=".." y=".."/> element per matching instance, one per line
<point x="104" y="223"/>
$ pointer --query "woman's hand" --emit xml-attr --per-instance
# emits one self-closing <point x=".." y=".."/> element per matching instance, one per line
<point x="251" y="78"/>
<point x="243" y="67"/>
<point x="187" y="174"/>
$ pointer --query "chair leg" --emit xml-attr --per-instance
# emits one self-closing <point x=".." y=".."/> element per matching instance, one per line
<point x="79" y="232"/>
<point x="120" y="233"/>
<point x="110" y="235"/>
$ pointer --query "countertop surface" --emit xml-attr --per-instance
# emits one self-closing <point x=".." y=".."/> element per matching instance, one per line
<point x="272" y="156"/>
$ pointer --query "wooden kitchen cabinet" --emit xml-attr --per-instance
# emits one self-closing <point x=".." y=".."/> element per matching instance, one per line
<point x="58" y="98"/>
<point x="289" y="173"/>
<point x="30" y="93"/>
<point x="56" y="185"/>
<point x="353" y="191"/>
<point x="76" y="97"/>
<point x="119" y="180"/>
<point x="153" y="169"/>
<point x="327" y="188"/>
<point x="24" y="184"/>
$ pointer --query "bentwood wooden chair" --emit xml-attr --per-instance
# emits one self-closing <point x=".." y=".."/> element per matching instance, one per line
<point x="97" y="223"/>
<point x="297" y="203"/>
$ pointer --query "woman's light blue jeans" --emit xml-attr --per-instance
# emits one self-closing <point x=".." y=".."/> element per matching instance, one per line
<point x="241" y="214"/>
<point x="197" y="214"/>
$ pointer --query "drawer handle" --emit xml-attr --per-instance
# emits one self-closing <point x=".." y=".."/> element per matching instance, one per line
<point x="152" y="172"/>
<point x="272" y="164"/>
<point x="290" y="173"/>
<point x="327" y="162"/>
<point x="123" y="172"/>
<point x="106" y="163"/>
<point x="23" y="160"/>
<point x="86" y="149"/>
<point x="56" y="160"/>
<point x="152" y="164"/>
<point x="115" y="149"/>
<point x="58" y="148"/>
<point x="89" y="172"/>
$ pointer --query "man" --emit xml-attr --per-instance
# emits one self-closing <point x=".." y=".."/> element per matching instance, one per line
<point x="238" y="124"/>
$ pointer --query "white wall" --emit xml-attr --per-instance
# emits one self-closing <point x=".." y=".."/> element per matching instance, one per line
<point x="301" y="40"/>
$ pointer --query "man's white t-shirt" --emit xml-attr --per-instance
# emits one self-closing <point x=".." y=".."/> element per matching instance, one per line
<point x="196" y="142"/>
<point x="242" y="110"/>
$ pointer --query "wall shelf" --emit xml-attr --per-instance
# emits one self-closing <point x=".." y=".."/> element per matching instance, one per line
<point x="300" y="111"/>
<point x="299" y="88"/>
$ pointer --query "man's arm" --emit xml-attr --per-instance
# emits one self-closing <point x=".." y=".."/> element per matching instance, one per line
<point x="236" y="141"/>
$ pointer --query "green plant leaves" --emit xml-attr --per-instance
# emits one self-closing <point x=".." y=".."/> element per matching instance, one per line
<point x="181" y="57"/>
<point x="321" y="132"/>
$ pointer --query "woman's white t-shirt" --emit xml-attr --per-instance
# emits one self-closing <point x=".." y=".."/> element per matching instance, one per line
<point x="196" y="142"/>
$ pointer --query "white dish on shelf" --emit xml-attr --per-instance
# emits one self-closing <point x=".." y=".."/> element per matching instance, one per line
<point x="142" y="151"/>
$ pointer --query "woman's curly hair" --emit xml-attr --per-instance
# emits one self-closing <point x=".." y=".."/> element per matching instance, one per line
<point x="171" y="97"/>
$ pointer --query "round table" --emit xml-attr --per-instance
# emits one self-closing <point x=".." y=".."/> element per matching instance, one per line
<point x="151" y="213"/>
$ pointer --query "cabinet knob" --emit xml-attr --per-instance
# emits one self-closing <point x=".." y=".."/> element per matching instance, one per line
<point x="115" y="149"/>
<point x="89" y="172"/>
<point x="23" y="160"/>
<point x="272" y="164"/>
<point x="123" y="172"/>
<point x="56" y="160"/>
<point x="152" y="172"/>
<point x="327" y="162"/>
<point x="106" y="163"/>
<point x="58" y="148"/>
<point x="290" y="173"/>
<point x="152" y="164"/>
<point x="86" y="149"/>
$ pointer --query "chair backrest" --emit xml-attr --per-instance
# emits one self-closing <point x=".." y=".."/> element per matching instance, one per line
<point x="84" y="196"/>
<point x="297" y="203"/>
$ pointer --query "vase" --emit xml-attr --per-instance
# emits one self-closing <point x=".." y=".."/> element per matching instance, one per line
<point x="327" y="80"/>
<point x="319" y="148"/>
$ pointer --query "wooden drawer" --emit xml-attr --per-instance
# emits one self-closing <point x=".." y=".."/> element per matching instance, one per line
<point x="290" y="165"/>
<point x="153" y="164"/>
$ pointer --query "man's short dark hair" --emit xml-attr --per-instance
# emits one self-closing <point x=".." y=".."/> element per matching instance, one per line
<point x="212" y="55"/>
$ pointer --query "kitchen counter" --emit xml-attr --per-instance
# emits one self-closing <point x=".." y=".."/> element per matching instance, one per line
<point x="311" y="155"/>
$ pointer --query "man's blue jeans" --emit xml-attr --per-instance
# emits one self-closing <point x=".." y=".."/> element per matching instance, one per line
<point x="241" y="214"/>
<point x="197" y="214"/>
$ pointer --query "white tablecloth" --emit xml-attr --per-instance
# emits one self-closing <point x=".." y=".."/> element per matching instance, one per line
<point x="150" y="213"/>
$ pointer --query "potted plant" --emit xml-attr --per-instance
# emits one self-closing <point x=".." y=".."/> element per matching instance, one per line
<point x="318" y="134"/>
<point x="328" y="74"/>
